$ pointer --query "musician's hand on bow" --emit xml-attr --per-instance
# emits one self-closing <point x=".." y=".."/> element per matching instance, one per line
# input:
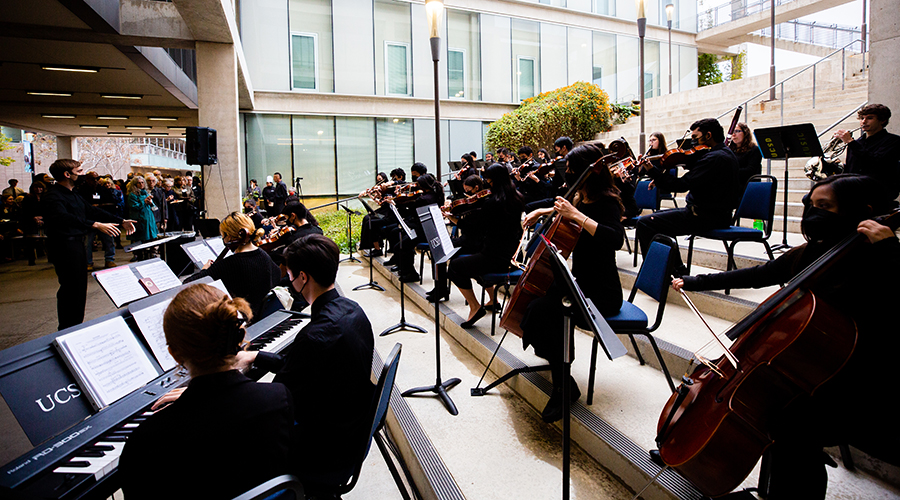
<point x="874" y="231"/>
<point x="534" y="215"/>
<point x="168" y="398"/>
<point x="566" y="209"/>
<point x="677" y="284"/>
<point x="844" y="135"/>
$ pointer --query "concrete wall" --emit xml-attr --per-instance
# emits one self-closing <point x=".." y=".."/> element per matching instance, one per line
<point x="884" y="62"/>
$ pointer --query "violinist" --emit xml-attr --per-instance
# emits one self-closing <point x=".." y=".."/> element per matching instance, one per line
<point x="250" y="273"/>
<point x="501" y="215"/>
<point x="417" y="170"/>
<point x="431" y="192"/>
<point x="470" y="226"/>
<point x="711" y="180"/>
<point x="850" y="408"/>
<point x="562" y="146"/>
<point x="532" y="186"/>
<point x="468" y="167"/>
<point x="373" y="224"/>
<point x="252" y="210"/>
<point x="598" y="209"/>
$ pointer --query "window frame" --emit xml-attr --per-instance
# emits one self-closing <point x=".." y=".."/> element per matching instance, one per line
<point x="464" y="75"/>
<point x="315" y="38"/>
<point x="387" y="72"/>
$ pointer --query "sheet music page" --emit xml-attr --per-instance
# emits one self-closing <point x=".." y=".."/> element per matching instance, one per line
<point x="160" y="273"/>
<point x="121" y="285"/>
<point x="409" y="231"/>
<point x="108" y="358"/>
<point x="221" y="286"/>
<point x="443" y="234"/>
<point x="150" y="321"/>
<point x="217" y="246"/>
<point x="200" y="253"/>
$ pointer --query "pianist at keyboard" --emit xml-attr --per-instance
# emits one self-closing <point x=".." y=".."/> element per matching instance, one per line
<point x="198" y="434"/>
<point x="327" y="369"/>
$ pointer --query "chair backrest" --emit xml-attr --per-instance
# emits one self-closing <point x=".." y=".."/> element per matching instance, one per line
<point x="378" y="410"/>
<point x="655" y="275"/>
<point x="286" y="487"/>
<point x="758" y="201"/>
<point x="645" y="196"/>
<point x="269" y="305"/>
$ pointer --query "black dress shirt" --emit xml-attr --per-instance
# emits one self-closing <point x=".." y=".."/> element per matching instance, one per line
<point x="876" y="156"/>
<point x="67" y="215"/>
<point x="248" y="275"/>
<point x="594" y="256"/>
<point x="711" y="180"/>
<point x="328" y="370"/>
<point x="199" y="440"/>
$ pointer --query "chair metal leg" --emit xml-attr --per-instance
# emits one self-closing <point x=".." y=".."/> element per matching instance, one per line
<point x="592" y="374"/>
<point x="662" y="364"/>
<point x="627" y="244"/>
<point x="421" y="267"/>
<point x="637" y="248"/>
<point x="494" y="311"/>
<point x="769" y="250"/>
<point x="690" y="253"/>
<point x="637" y="350"/>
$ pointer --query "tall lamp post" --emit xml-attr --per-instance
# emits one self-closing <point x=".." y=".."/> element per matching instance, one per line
<point x="670" y="10"/>
<point x="434" y="10"/>
<point x="642" y="30"/>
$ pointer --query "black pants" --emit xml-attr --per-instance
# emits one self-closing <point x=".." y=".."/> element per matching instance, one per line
<point x="676" y="222"/>
<point x="70" y="262"/>
<point x="462" y="270"/>
<point x="374" y="228"/>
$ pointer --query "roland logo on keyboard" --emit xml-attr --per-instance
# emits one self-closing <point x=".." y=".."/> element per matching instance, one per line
<point x="61" y="396"/>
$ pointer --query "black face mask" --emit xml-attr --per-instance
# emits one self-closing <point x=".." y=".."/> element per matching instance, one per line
<point x="694" y="142"/>
<point x="819" y="225"/>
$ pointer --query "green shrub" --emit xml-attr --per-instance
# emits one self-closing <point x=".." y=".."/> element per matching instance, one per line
<point x="579" y="111"/>
<point x="334" y="225"/>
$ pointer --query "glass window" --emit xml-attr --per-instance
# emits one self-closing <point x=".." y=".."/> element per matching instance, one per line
<point x="303" y="57"/>
<point x="464" y="55"/>
<point x="497" y="58"/>
<point x="268" y="146"/>
<point x="525" y="72"/>
<point x="396" y="59"/>
<point x="651" y="68"/>
<point x="313" y="154"/>
<point x="456" y="73"/>
<point x="605" y="7"/>
<point x="627" y="71"/>
<point x="394" y="143"/>
<point x="356" y="165"/>
<point x="604" y="72"/>
<point x="312" y="18"/>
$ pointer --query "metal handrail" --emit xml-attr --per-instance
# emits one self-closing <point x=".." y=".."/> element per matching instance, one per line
<point x="835" y="124"/>
<point x="781" y="83"/>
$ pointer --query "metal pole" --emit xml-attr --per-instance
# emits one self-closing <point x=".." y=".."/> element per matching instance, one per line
<point x="436" y="56"/>
<point x="642" y="30"/>
<point x="772" y="64"/>
<point x="670" y="56"/>
<point x="862" y="36"/>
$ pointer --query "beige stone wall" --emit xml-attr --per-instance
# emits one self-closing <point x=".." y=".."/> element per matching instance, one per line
<point x="884" y="63"/>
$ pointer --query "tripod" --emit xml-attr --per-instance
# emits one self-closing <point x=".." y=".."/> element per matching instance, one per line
<point x="350" y="214"/>
<point x="402" y="325"/>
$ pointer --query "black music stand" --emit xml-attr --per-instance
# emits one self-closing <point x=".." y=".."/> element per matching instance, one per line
<point x="372" y="284"/>
<point x="784" y="143"/>
<point x="350" y="214"/>
<point x="575" y="303"/>
<point x="402" y="325"/>
<point x="441" y="251"/>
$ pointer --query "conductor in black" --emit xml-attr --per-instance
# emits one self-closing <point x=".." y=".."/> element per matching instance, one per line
<point x="712" y="182"/>
<point x="327" y="369"/>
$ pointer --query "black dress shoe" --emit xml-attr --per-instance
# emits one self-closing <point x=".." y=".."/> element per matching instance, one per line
<point x="374" y="253"/>
<point x="554" y="409"/>
<point x="478" y="315"/>
<point x="440" y="295"/>
<point x="391" y="262"/>
<point x="410" y="277"/>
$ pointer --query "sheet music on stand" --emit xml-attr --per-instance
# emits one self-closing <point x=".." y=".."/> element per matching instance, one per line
<point x="125" y="284"/>
<point x="202" y="251"/>
<point x="107" y="360"/>
<point x="609" y="341"/>
<point x="411" y="233"/>
<point x="143" y="245"/>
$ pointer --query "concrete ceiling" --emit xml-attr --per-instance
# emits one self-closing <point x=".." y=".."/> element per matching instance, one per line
<point x="34" y="33"/>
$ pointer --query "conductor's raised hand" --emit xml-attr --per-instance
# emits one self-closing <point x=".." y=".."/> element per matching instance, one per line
<point x="107" y="228"/>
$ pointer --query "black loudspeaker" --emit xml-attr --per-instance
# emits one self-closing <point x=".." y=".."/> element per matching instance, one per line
<point x="201" y="146"/>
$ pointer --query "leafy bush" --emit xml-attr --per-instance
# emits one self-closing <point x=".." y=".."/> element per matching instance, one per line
<point x="708" y="70"/>
<point x="579" y="111"/>
<point x="621" y="112"/>
<point x="334" y="224"/>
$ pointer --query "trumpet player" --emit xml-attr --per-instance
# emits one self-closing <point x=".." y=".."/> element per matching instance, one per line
<point x="877" y="152"/>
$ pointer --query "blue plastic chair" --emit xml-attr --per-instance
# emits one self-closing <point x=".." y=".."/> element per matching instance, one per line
<point x="645" y="197"/>
<point x="653" y="279"/>
<point x="758" y="203"/>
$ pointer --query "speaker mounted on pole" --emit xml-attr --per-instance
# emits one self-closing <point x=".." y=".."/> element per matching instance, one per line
<point x="201" y="146"/>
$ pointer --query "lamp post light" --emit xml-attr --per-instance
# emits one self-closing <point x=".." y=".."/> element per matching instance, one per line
<point x="642" y="30"/>
<point x="434" y="10"/>
<point x="670" y="10"/>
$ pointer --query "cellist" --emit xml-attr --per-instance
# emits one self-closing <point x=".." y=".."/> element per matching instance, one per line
<point x="850" y="408"/>
<point x="598" y="209"/>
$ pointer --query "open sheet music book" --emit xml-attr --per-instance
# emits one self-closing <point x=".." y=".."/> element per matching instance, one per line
<point x="124" y="284"/>
<point x="107" y="360"/>
<point x="202" y="251"/>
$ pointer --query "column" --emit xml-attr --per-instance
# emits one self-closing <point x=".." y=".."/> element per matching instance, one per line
<point x="884" y="56"/>
<point x="217" y="96"/>
<point x="67" y="147"/>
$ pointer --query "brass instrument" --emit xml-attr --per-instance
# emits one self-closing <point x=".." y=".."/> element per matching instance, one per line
<point x="820" y="167"/>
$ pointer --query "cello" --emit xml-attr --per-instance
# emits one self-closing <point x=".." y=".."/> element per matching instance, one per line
<point x="538" y="275"/>
<point x="716" y="426"/>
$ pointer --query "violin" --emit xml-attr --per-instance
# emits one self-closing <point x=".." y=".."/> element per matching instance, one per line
<point x="407" y="194"/>
<point x="271" y="241"/>
<point x="459" y="207"/>
<point x="716" y="425"/>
